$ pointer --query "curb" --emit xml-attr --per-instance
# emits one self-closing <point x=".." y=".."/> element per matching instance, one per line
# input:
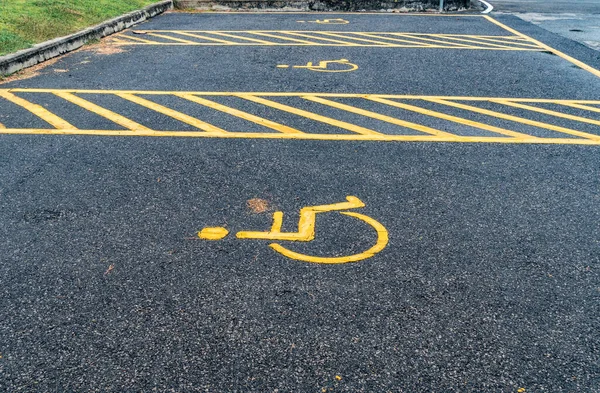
<point x="322" y="5"/>
<point x="46" y="50"/>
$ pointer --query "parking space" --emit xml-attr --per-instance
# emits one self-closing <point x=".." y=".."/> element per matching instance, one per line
<point x="303" y="202"/>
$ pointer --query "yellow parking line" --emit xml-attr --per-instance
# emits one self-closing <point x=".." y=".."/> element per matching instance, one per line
<point x="238" y="113"/>
<point x="578" y="63"/>
<point x="517" y="119"/>
<point x="168" y="37"/>
<point x="262" y="33"/>
<point x="325" y="137"/>
<point x="38" y="110"/>
<point x="351" y="37"/>
<point x="321" y="38"/>
<point x="310" y="115"/>
<point x="548" y="112"/>
<point x="579" y="106"/>
<point x="378" y="116"/>
<point x="454" y="119"/>
<point x="108" y="114"/>
<point x="240" y="37"/>
<point x="170" y="112"/>
<point x="300" y="94"/>
<point x="203" y="37"/>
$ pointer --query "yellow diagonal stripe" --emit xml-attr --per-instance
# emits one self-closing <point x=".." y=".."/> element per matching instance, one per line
<point x="310" y="115"/>
<point x="579" y="106"/>
<point x="378" y="116"/>
<point x="41" y="112"/>
<point x="108" y="114"/>
<point x="445" y="116"/>
<point x="241" y="114"/>
<point x="548" y="112"/>
<point x="170" y="112"/>
<point x="517" y="119"/>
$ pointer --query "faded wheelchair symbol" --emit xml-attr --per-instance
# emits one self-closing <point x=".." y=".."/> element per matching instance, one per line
<point x="306" y="232"/>
<point x="326" y="21"/>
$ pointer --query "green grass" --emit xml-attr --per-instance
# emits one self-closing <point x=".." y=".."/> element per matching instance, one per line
<point x="27" y="22"/>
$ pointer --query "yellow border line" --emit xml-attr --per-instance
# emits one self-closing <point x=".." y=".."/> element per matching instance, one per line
<point x="568" y="58"/>
<point x="300" y="94"/>
<point x="326" y="137"/>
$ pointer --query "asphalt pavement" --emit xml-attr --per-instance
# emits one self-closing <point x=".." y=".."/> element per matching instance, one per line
<point x="472" y="143"/>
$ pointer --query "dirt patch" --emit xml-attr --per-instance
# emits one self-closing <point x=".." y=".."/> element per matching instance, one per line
<point x="29" y="72"/>
<point x="105" y="47"/>
<point x="257" y="205"/>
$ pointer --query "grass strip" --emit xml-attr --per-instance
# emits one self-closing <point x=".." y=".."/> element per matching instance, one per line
<point x="24" y="23"/>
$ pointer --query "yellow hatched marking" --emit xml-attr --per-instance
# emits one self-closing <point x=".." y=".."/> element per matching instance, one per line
<point x="168" y="37"/>
<point x="264" y="34"/>
<point x="578" y="63"/>
<point x="454" y="119"/>
<point x="418" y="44"/>
<point x="439" y="42"/>
<point x="548" y="112"/>
<point x="203" y="37"/>
<point x="170" y="112"/>
<point x="378" y="116"/>
<point x="579" y="106"/>
<point x="517" y="119"/>
<point x="473" y="41"/>
<point x="243" y="38"/>
<point x="108" y="114"/>
<point x="130" y="37"/>
<point x="321" y="38"/>
<point x="2" y="126"/>
<point x="38" y="110"/>
<point x="351" y="37"/>
<point x="244" y="115"/>
<point x="310" y="115"/>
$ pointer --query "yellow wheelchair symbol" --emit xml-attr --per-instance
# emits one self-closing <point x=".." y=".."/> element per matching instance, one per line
<point x="306" y="232"/>
<point x="323" y="66"/>
<point x="326" y="21"/>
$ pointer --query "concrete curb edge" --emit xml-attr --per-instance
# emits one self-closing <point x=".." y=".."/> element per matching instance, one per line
<point x="41" y="52"/>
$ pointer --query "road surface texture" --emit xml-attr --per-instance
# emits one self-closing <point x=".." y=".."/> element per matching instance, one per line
<point x="576" y="20"/>
<point x="454" y="246"/>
